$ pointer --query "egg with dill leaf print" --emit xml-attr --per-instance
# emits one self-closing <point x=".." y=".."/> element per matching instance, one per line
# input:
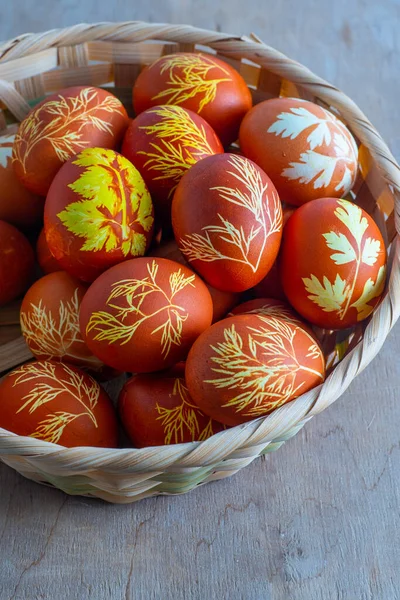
<point x="50" y="320"/>
<point x="57" y="403"/>
<point x="200" y="82"/>
<point x="245" y="366"/>
<point x="227" y="221"/>
<point x="98" y="212"/>
<point x="334" y="277"/>
<point x="157" y="410"/>
<point x="306" y="151"/>
<point x="163" y="143"/>
<point x="143" y="315"/>
<point x="62" y="125"/>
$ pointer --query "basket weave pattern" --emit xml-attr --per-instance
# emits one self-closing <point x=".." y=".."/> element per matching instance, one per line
<point x="112" y="54"/>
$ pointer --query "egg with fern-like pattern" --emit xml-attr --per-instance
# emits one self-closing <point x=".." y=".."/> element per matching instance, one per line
<point x="163" y="142"/>
<point x="157" y="410"/>
<point x="245" y="366"/>
<point x="98" y="213"/>
<point x="335" y="277"/>
<point x="57" y="403"/>
<point x="49" y="319"/>
<point x="144" y="315"/>
<point x="61" y="126"/>
<point x="227" y="221"/>
<point x="202" y="83"/>
<point x="306" y="150"/>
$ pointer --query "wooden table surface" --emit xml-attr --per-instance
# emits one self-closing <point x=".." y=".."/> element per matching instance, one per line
<point x="320" y="518"/>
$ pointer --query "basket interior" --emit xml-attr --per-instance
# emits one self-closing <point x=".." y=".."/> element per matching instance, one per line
<point x="29" y="78"/>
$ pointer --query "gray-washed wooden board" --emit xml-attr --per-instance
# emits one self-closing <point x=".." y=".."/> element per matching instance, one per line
<point x="319" y="519"/>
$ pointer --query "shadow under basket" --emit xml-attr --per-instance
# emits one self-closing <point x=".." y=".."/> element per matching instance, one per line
<point x="112" y="55"/>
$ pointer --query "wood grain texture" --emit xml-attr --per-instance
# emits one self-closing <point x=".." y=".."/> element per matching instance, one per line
<point x="319" y="519"/>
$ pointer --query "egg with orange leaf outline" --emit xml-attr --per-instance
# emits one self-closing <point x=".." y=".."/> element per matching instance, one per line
<point x="98" y="212"/>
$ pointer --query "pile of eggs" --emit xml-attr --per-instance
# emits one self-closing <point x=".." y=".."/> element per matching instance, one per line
<point x="201" y="268"/>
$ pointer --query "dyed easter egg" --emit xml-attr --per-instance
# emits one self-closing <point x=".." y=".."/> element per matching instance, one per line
<point x="50" y="320"/>
<point x="144" y="315"/>
<point x="306" y="151"/>
<point x="227" y="221"/>
<point x="333" y="263"/>
<point x="17" y="261"/>
<point x="157" y="409"/>
<point x="46" y="260"/>
<point x="222" y="301"/>
<point x="163" y="143"/>
<point x="247" y="365"/>
<point x="202" y="83"/>
<point x="18" y="206"/>
<point x="57" y="403"/>
<point x="61" y="126"/>
<point x="98" y="212"/>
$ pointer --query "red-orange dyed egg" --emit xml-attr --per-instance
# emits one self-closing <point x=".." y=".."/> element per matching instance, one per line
<point x="306" y="151"/>
<point x="202" y="83"/>
<point x="333" y="263"/>
<point x="57" y="403"/>
<point x="247" y="365"/>
<point x="18" y="206"/>
<point x="50" y="320"/>
<point x="144" y="315"/>
<point x="163" y="143"/>
<point x="61" y="126"/>
<point x="98" y="212"/>
<point x="157" y="409"/>
<point x="222" y="301"/>
<point x="17" y="261"/>
<point x="46" y="260"/>
<point x="227" y="221"/>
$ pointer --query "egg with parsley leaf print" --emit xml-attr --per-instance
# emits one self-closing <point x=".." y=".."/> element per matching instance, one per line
<point x="334" y="277"/>
<point x="98" y="212"/>
<point x="306" y="150"/>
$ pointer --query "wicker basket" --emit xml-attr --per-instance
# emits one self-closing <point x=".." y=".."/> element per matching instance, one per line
<point x="112" y="54"/>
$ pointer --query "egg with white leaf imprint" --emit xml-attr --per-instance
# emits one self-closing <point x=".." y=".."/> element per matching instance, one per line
<point x="335" y="277"/>
<point x="306" y="150"/>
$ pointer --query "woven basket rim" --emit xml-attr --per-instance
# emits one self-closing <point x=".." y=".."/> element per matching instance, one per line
<point x="286" y="420"/>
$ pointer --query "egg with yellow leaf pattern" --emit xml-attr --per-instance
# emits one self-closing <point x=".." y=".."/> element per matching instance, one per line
<point x="143" y="315"/>
<point x="62" y="125"/>
<point x="163" y="143"/>
<point x="157" y="410"/>
<point x="98" y="212"/>
<point x="49" y="320"/>
<point x="245" y="366"/>
<point x="200" y="82"/>
<point x="57" y="403"/>
<point x="333" y="263"/>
